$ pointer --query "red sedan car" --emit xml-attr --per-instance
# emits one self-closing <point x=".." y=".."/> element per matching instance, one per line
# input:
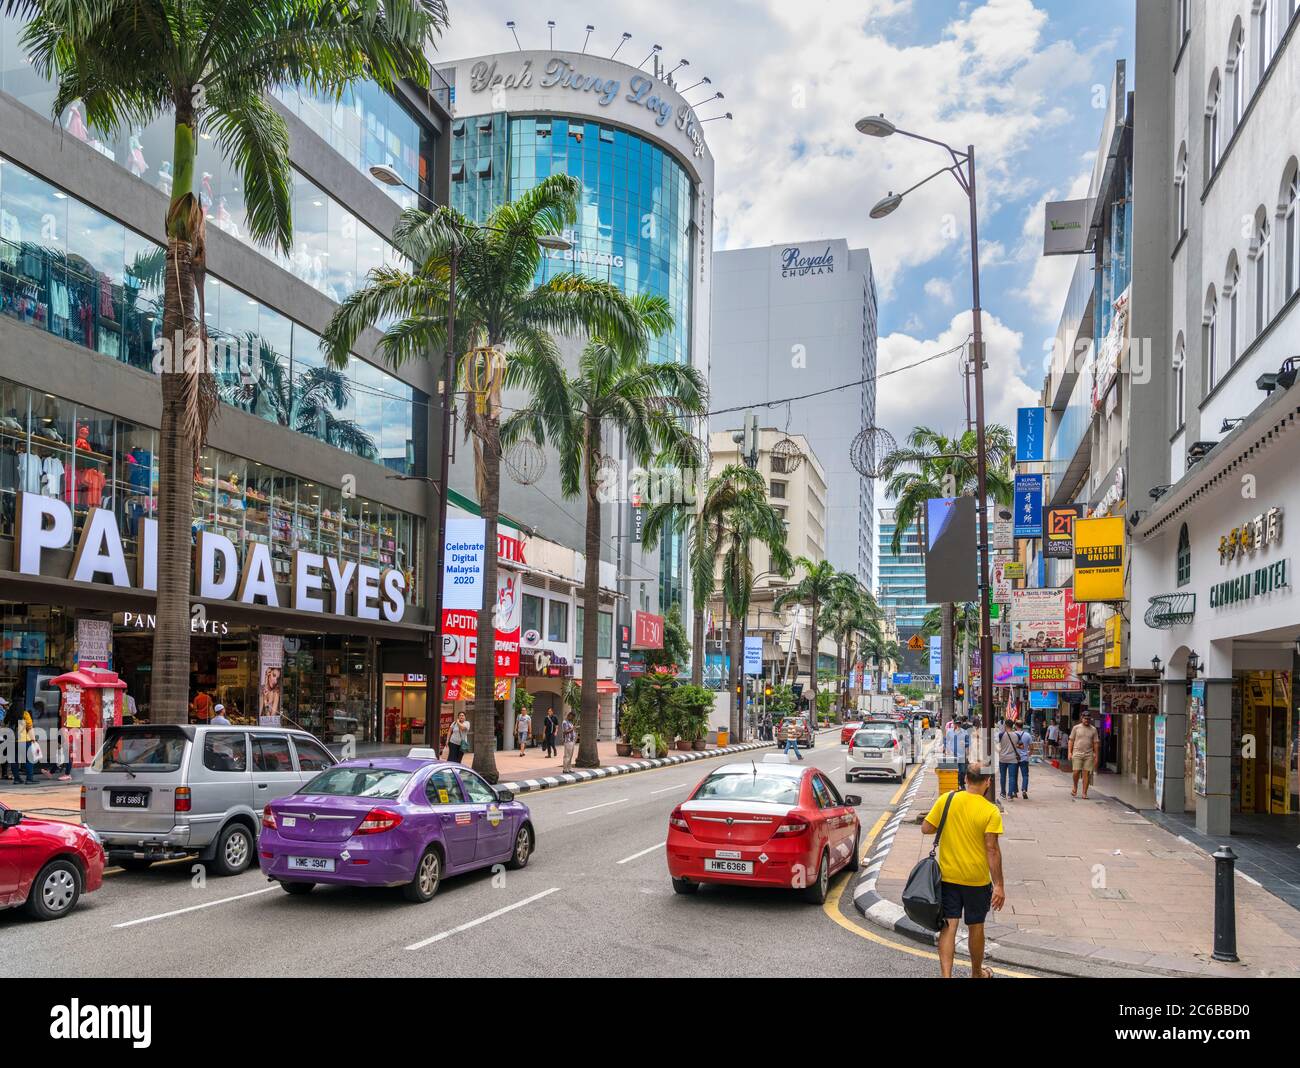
<point x="849" y="730"/>
<point x="763" y="824"/>
<point x="46" y="865"/>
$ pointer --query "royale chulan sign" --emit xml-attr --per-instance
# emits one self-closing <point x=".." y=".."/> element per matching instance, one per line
<point x="361" y="591"/>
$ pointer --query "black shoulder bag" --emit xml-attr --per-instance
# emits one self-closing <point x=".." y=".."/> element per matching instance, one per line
<point x="923" y="894"/>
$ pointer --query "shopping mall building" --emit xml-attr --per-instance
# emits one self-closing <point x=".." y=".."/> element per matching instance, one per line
<point x="301" y="459"/>
<point x="645" y="224"/>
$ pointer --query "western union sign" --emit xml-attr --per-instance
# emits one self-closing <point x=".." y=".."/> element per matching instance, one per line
<point x="1099" y="559"/>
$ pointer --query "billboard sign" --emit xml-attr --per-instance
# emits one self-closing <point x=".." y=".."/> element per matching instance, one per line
<point x="951" y="570"/>
<point x="753" y="655"/>
<point x="1099" y="559"/>
<point x="1058" y="532"/>
<point x="1029" y="435"/>
<point x="1009" y="669"/>
<point x="1038" y="619"/>
<point x="1055" y="670"/>
<point x="1029" y="506"/>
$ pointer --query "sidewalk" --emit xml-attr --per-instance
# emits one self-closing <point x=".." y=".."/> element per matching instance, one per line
<point x="1094" y="879"/>
<point x="47" y="798"/>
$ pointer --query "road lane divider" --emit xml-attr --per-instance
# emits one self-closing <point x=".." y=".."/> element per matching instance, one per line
<point x="483" y="919"/>
<point x="637" y="856"/>
<point x="195" y="908"/>
<point x="603" y="804"/>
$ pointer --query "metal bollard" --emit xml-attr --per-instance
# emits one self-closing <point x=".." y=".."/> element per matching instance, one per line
<point x="1225" y="905"/>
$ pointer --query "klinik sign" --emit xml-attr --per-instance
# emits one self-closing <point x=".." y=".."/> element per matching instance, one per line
<point x="357" y="590"/>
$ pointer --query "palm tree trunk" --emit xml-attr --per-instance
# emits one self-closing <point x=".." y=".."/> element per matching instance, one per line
<point x="169" y="692"/>
<point x="945" y="662"/>
<point x="812" y="673"/>
<point x="697" y="644"/>
<point x="588" y="750"/>
<point x="484" y="714"/>
<point x="737" y="671"/>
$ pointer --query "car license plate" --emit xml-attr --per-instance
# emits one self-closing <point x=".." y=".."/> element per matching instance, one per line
<point x="128" y="798"/>
<point x="729" y="867"/>
<point x="871" y="752"/>
<point x="311" y="863"/>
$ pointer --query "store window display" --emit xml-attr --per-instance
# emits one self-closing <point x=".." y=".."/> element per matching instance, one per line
<point x="82" y="276"/>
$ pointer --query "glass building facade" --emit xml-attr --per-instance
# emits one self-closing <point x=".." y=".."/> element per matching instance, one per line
<point x="634" y="226"/>
<point x="900" y="576"/>
<point x="69" y="269"/>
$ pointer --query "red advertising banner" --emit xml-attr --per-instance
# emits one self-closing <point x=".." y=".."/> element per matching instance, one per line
<point x="647" y="631"/>
<point x="462" y="689"/>
<point x="1054" y="671"/>
<point x="1076" y="620"/>
<point x="460" y="632"/>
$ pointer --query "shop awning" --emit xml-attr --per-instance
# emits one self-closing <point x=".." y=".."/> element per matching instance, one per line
<point x="605" y="686"/>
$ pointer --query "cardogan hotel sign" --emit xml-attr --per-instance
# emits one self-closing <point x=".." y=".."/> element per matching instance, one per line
<point x="357" y="590"/>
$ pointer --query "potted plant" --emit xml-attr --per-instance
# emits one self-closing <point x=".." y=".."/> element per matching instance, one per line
<point x="693" y="706"/>
<point x="650" y="712"/>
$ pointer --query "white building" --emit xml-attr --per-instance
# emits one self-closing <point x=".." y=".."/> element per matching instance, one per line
<point x="1218" y="248"/>
<point x="797" y="319"/>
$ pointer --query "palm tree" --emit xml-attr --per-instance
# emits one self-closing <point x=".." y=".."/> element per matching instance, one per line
<point x="880" y="650"/>
<point x="501" y="315"/>
<point x="210" y="64"/>
<point x="820" y="587"/>
<point x="851" y="612"/>
<point x="933" y="465"/>
<point x="616" y="389"/>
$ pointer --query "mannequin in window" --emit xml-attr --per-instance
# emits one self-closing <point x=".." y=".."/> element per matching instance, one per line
<point x="136" y="158"/>
<point x="165" y="177"/>
<point x="75" y="124"/>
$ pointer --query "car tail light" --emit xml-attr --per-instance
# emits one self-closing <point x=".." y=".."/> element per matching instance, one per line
<point x="850" y="748"/>
<point x="792" y="828"/>
<point x="83" y="799"/>
<point x="268" y="818"/>
<point x="377" y="821"/>
<point x="182" y="803"/>
<point x="678" y="820"/>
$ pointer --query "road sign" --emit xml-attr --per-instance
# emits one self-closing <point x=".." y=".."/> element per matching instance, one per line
<point x="916" y="643"/>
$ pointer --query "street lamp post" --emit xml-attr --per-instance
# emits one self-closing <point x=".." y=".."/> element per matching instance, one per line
<point x="432" y="695"/>
<point x="962" y="169"/>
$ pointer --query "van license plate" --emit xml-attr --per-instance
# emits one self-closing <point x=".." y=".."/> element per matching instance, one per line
<point x="128" y="798"/>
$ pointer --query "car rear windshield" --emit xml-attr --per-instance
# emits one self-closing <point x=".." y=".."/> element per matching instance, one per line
<point x="143" y="751"/>
<point x="873" y="738"/>
<point x="359" y="782"/>
<point x="749" y="786"/>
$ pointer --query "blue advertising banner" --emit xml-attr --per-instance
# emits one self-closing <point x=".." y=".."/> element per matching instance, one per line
<point x="936" y="656"/>
<point x="1029" y="506"/>
<point x="1029" y="434"/>
<point x="1044" y="699"/>
<point x="902" y="678"/>
<point x="753" y="655"/>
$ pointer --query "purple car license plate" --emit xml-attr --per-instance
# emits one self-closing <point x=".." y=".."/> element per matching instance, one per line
<point x="311" y="863"/>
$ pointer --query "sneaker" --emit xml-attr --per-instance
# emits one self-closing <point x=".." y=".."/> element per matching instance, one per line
<point x="1024" y="796"/>
<point x="65" y="778"/>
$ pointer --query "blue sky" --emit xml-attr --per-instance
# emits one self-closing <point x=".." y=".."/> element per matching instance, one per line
<point x="1024" y="80"/>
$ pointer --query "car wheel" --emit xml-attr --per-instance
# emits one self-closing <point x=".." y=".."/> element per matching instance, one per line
<point x="297" y="888"/>
<point x="523" y="849"/>
<point x="685" y="886"/>
<point x="136" y="864"/>
<point x="234" y="850"/>
<point x="55" y="890"/>
<point x="428" y="874"/>
<point x="855" y="861"/>
<point x="815" y="892"/>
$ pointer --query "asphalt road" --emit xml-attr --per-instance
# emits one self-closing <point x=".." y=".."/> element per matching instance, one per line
<point x="594" y="900"/>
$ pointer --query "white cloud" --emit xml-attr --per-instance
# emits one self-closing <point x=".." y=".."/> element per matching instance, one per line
<point x="939" y="289"/>
<point x="933" y="394"/>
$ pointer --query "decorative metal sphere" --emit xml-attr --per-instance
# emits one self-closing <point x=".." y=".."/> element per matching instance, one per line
<point x="787" y="456"/>
<point x="526" y="461"/>
<point x="870" y="449"/>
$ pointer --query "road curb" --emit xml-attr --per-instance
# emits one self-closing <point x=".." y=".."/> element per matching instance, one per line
<point x="880" y="910"/>
<point x="568" y="778"/>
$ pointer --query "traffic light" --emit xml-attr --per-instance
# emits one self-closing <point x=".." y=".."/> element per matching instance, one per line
<point x="960" y="692"/>
<point x="767" y="690"/>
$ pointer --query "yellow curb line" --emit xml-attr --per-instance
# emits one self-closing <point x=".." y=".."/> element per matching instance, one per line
<point x="832" y="905"/>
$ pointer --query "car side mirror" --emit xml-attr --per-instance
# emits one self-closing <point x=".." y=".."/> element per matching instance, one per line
<point x="852" y="800"/>
<point x="11" y="817"/>
<point x="505" y="795"/>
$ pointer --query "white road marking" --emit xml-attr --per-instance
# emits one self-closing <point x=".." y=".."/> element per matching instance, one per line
<point x="643" y="852"/>
<point x="667" y="789"/>
<point x="603" y="804"/>
<point x="484" y="919"/>
<point x="195" y="908"/>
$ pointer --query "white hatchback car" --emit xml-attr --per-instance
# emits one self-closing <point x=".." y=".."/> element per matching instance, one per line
<point x="876" y="749"/>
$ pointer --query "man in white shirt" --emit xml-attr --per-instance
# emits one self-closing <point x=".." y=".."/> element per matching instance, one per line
<point x="219" y="716"/>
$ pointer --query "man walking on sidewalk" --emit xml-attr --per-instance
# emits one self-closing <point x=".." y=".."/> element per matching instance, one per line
<point x="1008" y="759"/>
<point x="1084" y="743"/>
<point x="1024" y="742"/>
<point x="970" y="866"/>
<point x="569" y="738"/>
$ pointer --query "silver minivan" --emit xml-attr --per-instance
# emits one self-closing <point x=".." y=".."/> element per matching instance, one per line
<point x="171" y="790"/>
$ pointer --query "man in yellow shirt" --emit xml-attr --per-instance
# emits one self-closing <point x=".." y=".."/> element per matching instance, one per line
<point x="970" y="866"/>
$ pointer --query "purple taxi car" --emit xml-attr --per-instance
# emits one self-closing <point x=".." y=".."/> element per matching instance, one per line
<point x="396" y="821"/>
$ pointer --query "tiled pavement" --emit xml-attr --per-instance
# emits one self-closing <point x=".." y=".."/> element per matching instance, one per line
<point x="1095" y="879"/>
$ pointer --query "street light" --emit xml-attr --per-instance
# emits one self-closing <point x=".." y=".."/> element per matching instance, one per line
<point x="962" y="168"/>
<point x="382" y="172"/>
